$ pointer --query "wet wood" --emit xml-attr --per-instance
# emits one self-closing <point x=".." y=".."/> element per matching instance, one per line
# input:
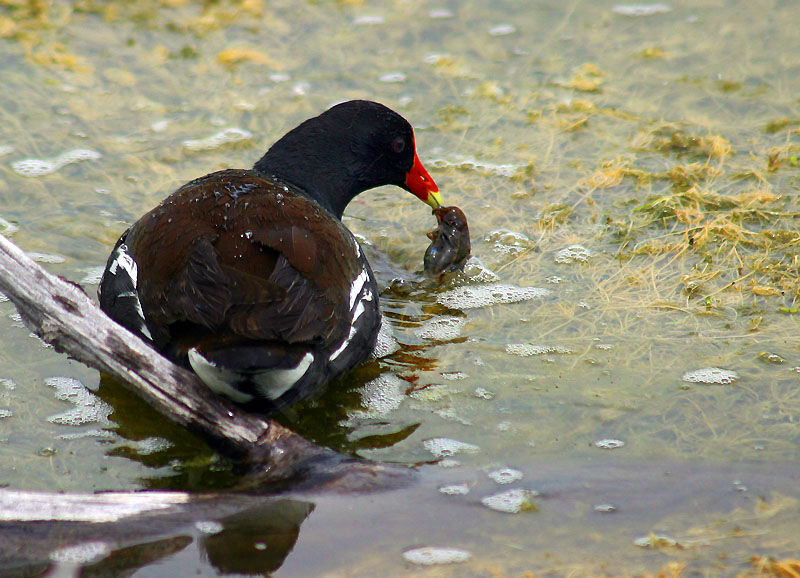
<point x="61" y="313"/>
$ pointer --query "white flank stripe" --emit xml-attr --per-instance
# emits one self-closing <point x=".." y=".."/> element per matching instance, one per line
<point x="357" y="286"/>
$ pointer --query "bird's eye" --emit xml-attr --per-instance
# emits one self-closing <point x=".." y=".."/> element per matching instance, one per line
<point x="399" y="144"/>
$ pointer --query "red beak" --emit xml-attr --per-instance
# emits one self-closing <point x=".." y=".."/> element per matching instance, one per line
<point x="420" y="183"/>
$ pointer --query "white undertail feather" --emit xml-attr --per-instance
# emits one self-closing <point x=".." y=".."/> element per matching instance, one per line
<point x="270" y="383"/>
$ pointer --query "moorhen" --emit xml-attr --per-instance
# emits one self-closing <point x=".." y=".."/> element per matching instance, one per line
<point x="250" y="278"/>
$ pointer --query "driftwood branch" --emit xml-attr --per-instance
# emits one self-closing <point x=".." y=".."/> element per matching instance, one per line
<point x="63" y="315"/>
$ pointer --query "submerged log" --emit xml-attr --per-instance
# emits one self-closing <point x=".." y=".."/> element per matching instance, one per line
<point x="61" y="313"/>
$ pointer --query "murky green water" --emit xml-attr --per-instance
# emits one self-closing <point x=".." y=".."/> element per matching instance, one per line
<point x="660" y="141"/>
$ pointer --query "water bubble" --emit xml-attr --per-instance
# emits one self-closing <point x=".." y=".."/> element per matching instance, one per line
<point x="640" y="9"/>
<point x="573" y="254"/>
<point x="609" y="444"/>
<point x="604" y="508"/>
<point x="710" y="375"/>
<point x="369" y="20"/>
<point x="41" y="167"/>
<point x="511" y="501"/>
<point x="502" y="30"/>
<point x="440" y="13"/>
<point x="432" y="555"/>
<point x="229" y="135"/>
<point x="444" y="447"/>
<point x="393" y="77"/>
<point x="473" y="296"/>
<point x="454" y="375"/>
<point x="505" y="475"/>
<point x="81" y="553"/>
<point x="444" y="328"/>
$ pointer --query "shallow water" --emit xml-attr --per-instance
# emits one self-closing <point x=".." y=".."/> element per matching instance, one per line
<point x="629" y="173"/>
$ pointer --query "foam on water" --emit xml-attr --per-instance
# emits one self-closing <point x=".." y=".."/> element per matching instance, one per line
<point x="41" y="167"/>
<point x="46" y="258"/>
<point x="573" y="254"/>
<point x="92" y="275"/>
<point x="474" y="296"/>
<point x="444" y="447"/>
<point x="711" y="375"/>
<point x="455" y="490"/>
<point x="477" y="271"/>
<point x="454" y="375"/>
<point x="505" y="475"/>
<point x="88" y="407"/>
<point x="227" y="136"/>
<point x="511" y="501"/>
<point x="386" y="343"/>
<point x="444" y="328"/>
<point x="528" y="349"/>
<point x="507" y="241"/>
<point x="471" y="164"/>
<point x="152" y="445"/>
<point x="208" y="527"/>
<point x="432" y="555"/>
<point x="383" y="394"/>
<point x="81" y="553"/>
